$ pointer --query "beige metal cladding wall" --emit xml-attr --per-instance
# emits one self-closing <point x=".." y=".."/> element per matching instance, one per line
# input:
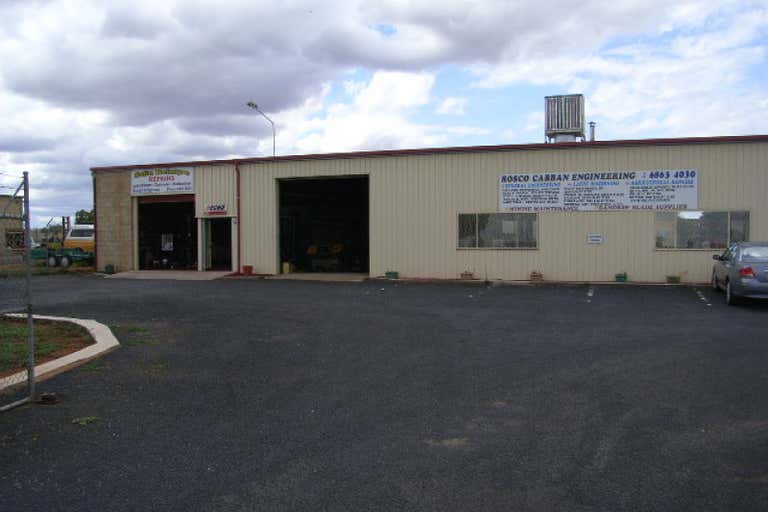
<point x="215" y="184"/>
<point x="114" y="220"/>
<point x="415" y="201"/>
<point x="258" y="201"/>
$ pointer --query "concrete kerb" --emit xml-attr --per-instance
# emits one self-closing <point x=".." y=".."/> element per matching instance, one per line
<point x="173" y="275"/>
<point x="104" y="342"/>
<point x="501" y="282"/>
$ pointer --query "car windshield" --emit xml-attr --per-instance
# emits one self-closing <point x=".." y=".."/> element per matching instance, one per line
<point x="756" y="253"/>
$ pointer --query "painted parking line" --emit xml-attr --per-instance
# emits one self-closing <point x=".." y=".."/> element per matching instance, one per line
<point x="702" y="297"/>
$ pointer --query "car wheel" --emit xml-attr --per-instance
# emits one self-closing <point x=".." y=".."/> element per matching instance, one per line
<point x="730" y="298"/>
<point x="51" y="261"/>
<point x="715" y="284"/>
<point x="65" y="261"/>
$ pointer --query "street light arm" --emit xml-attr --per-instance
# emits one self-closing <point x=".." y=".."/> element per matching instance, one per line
<point x="265" y="116"/>
<point x="255" y="107"/>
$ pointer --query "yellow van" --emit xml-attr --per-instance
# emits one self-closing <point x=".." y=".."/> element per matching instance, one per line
<point x="81" y="237"/>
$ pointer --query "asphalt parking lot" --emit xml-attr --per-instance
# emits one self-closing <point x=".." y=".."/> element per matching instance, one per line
<point x="235" y="395"/>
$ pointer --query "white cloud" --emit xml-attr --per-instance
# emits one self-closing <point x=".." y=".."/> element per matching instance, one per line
<point x="391" y="91"/>
<point x="379" y="116"/>
<point x="86" y="83"/>
<point x="698" y="83"/>
<point x="452" y="106"/>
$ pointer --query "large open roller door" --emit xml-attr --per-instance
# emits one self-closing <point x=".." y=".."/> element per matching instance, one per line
<point x="324" y="224"/>
<point x="167" y="234"/>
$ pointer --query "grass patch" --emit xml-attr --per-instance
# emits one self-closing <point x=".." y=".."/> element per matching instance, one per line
<point x="156" y="368"/>
<point x="133" y="342"/>
<point x="134" y="329"/>
<point x="52" y="339"/>
<point x="134" y="335"/>
<point x="85" y="420"/>
<point x="93" y="366"/>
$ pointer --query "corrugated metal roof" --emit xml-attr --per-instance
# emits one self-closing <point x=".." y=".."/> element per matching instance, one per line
<point x="456" y="149"/>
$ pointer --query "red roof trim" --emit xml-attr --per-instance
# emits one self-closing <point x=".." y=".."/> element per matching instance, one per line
<point x="448" y="150"/>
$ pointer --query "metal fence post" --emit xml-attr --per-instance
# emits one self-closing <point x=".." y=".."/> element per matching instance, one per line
<point x="28" y="294"/>
<point x="14" y="255"/>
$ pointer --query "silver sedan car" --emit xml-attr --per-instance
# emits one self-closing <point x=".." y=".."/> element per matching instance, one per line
<point x="742" y="271"/>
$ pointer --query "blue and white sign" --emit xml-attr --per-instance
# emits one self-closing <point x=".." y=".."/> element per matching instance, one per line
<point x="598" y="191"/>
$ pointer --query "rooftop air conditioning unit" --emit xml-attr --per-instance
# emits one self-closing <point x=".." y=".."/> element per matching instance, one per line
<point x="564" y="118"/>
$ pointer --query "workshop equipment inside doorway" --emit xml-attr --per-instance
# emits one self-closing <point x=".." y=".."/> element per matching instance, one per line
<point x="324" y="224"/>
<point x="167" y="236"/>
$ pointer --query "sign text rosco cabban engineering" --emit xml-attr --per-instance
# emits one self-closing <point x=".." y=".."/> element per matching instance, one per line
<point x="603" y="190"/>
<point x="177" y="180"/>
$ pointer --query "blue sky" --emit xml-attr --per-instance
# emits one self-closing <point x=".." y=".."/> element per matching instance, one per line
<point x="87" y="83"/>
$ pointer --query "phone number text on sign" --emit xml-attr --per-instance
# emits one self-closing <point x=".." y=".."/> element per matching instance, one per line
<point x="593" y="191"/>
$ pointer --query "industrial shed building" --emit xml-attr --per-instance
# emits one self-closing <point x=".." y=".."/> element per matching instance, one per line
<point x="572" y="211"/>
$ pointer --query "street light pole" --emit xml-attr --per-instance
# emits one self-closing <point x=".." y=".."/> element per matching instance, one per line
<point x="256" y="108"/>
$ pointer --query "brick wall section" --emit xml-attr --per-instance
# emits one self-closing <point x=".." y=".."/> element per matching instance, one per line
<point x="114" y="220"/>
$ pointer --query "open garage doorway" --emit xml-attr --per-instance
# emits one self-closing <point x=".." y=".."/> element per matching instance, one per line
<point x="324" y="224"/>
<point x="167" y="233"/>
<point x="217" y="236"/>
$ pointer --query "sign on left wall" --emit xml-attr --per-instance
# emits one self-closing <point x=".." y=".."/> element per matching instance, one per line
<point x="172" y="180"/>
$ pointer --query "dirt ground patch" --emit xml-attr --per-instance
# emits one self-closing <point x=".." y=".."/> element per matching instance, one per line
<point x="52" y="340"/>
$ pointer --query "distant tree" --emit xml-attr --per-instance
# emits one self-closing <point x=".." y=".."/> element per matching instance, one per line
<point x="84" y="217"/>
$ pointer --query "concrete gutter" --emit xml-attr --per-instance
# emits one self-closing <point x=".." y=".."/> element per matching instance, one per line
<point x="339" y="277"/>
<point x="104" y="342"/>
<point x="175" y="275"/>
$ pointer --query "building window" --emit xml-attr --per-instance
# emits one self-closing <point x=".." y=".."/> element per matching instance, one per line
<point x="81" y="233"/>
<point x="700" y="230"/>
<point x="497" y="231"/>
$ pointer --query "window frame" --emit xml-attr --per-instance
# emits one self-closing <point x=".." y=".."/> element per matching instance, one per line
<point x="477" y="234"/>
<point x="77" y="233"/>
<point x="729" y="242"/>
<point x="741" y="254"/>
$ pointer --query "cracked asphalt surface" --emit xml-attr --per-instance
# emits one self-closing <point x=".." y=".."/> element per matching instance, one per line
<point x="240" y="395"/>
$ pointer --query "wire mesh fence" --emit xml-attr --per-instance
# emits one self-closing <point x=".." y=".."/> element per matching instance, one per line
<point x="17" y="379"/>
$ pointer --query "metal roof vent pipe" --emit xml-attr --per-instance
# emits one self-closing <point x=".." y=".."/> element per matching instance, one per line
<point x="592" y="131"/>
<point x="564" y="118"/>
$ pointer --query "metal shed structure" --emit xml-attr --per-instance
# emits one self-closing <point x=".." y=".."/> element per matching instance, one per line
<point x="11" y="223"/>
<point x="574" y="211"/>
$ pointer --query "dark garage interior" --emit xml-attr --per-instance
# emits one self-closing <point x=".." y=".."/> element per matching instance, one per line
<point x="218" y="244"/>
<point x="167" y="233"/>
<point x="324" y="224"/>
